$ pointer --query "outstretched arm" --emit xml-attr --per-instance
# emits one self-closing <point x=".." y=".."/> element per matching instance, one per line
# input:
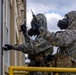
<point x="25" y="47"/>
<point x="62" y="38"/>
<point x="33" y="47"/>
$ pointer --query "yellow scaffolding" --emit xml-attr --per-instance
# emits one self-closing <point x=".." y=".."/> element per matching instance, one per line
<point x="25" y="69"/>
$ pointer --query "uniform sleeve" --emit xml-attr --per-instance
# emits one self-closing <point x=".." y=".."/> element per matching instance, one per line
<point x="36" y="46"/>
<point x="62" y="38"/>
<point x="25" y="48"/>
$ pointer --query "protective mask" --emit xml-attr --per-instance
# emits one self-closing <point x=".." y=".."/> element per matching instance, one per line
<point x="63" y="24"/>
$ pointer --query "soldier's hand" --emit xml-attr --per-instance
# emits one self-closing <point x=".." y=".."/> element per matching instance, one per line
<point x="7" y="47"/>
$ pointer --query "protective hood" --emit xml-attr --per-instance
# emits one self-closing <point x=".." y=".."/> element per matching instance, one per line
<point x="71" y="20"/>
<point x="42" y="19"/>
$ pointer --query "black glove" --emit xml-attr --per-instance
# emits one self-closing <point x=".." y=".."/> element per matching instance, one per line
<point x="23" y="28"/>
<point x="7" y="47"/>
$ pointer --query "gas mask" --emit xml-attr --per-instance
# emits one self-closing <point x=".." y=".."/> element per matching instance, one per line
<point x="37" y="21"/>
<point x="63" y="24"/>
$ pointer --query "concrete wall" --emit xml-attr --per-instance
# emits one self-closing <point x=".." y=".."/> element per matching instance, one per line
<point x="13" y="17"/>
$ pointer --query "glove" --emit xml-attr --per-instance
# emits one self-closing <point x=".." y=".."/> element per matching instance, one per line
<point x="7" y="47"/>
<point x="23" y="28"/>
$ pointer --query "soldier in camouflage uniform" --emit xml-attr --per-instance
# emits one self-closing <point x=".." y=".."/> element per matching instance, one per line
<point x="37" y="48"/>
<point x="65" y="40"/>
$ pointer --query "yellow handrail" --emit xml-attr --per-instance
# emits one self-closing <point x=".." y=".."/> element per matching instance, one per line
<point x="22" y="72"/>
<point x="44" y="69"/>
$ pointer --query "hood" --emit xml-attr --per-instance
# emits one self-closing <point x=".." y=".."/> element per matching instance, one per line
<point x="42" y="19"/>
<point x="71" y="20"/>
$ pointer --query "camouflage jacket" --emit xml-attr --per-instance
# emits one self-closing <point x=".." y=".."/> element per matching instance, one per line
<point x="34" y="46"/>
<point x="66" y="38"/>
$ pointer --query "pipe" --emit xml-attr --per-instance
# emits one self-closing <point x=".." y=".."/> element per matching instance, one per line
<point x="44" y="69"/>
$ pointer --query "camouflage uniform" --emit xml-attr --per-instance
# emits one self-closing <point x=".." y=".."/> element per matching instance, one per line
<point x="38" y="45"/>
<point x="66" y="40"/>
<point x="36" y="48"/>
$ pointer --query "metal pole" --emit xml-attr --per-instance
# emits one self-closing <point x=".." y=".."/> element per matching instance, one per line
<point x="43" y="69"/>
<point x="10" y="71"/>
<point x="1" y="32"/>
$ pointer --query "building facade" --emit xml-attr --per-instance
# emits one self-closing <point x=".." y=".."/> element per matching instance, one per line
<point x="14" y="14"/>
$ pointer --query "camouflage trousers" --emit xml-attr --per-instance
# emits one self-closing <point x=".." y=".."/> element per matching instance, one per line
<point x="39" y="62"/>
<point x="67" y="73"/>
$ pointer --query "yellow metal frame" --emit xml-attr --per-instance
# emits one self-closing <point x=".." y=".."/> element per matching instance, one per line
<point x="22" y="72"/>
<point x="25" y="69"/>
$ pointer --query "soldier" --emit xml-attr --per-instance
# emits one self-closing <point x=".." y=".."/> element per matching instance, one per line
<point x="38" y="48"/>
<point x="65" y="40"/>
